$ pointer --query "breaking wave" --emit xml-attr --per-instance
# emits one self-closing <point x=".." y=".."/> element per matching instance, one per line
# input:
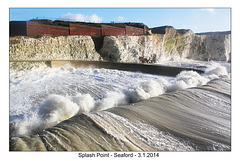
<point x="194" y="119"/>
<point x="40" y="99"/>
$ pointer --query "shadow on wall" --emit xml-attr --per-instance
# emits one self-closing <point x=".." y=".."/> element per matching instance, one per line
<point x="98" y="42"/>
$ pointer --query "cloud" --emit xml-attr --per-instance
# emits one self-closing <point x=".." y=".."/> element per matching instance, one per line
<point x="80" y="17"/>
<point x="210" y="10"/>
<point x="120" y="18"/>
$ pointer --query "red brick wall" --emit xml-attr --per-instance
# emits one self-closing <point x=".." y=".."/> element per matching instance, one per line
<point x="84" y="30"/>
<point x="31" y="28"/>
<point x="133" y="30"/>
<point x="36" y="29"/>
<point x="111" y="30"/>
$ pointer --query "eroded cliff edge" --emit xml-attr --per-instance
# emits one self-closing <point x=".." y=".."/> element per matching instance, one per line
<point x="172" y="44"/>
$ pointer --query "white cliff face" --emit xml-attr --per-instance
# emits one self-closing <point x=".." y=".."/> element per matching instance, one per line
<point x="227" y="44"/>
<point x="211" y="47"/>
<point x="52" y="48"/>
<point x="151" y="48"/>
<point x="132" y="49"/>
<point x="176" y="46"/>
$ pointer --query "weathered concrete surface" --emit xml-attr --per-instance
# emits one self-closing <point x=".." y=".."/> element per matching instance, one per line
<point x="145" y="68"/>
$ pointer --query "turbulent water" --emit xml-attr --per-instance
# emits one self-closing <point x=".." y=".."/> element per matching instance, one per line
<point x="175" y="119"/>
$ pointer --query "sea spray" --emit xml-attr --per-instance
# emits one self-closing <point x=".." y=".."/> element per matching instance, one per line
<point x="187" y="79"/>
<point x="215" y="71"/>
<point x="112" y="99"/>
<point x="144" y="90"/>
<point x="84" y="101"/>
<point x="194" y="119"/>
<point x="42" y="98"/>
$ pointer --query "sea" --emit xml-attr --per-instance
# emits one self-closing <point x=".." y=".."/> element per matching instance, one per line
<point x="92" y="109"/>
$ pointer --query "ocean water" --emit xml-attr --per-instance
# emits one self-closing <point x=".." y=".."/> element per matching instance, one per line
<point x="195" y="64"/>
<point x="44" y="97"/>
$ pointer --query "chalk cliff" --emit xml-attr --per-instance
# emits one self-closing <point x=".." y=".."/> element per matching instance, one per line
<point x="170" y="44"/>
<point x="52" y="48"/>
<point x="131" y="48"/>
<point x="211" y="47"/>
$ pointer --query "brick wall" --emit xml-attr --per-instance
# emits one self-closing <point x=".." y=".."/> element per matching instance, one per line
<point x="36" y="29"/>
<point x="30" y="28"/>
<point x="110" y="30"/>
<point x="134" y="30"/>
<point x="84" y="30"/>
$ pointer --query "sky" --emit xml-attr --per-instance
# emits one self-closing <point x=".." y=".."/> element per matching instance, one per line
<point x="196" y="19"/>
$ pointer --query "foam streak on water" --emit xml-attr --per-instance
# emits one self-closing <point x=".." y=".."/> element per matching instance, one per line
<point x="42" y="98"/>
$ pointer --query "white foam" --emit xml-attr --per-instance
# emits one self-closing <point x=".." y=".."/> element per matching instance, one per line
<point x="145" y="90"/>
<point x="53" y="110"/>
<point x="85" y="102"/>
<point x="112" y="99"/>
<point x="195" y="64"/>
<point x="43" y="98"/>
<point x="57" y="108"/>
<point x="216" y="70"/>
<point x="187" y="79"/>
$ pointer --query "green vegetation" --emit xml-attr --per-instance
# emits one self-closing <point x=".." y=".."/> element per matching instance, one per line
<point x="169" y="42"/>
<point x="181" y="43"/>
<point x="201" y="48"/>
<point x="173" y="42"/>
